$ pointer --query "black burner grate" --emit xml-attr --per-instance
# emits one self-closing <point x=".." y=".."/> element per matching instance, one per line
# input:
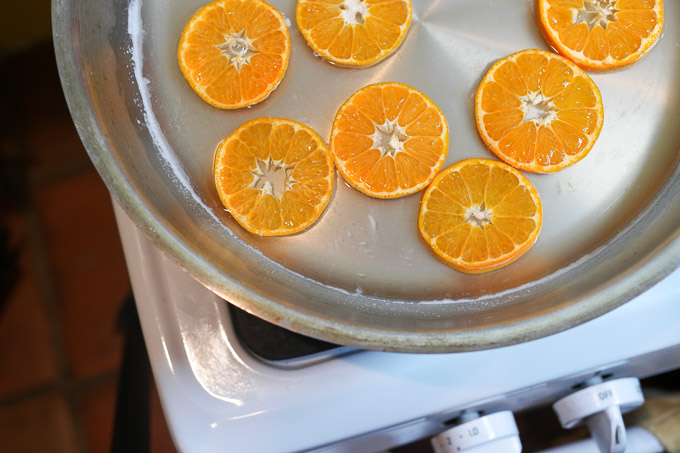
<point x="276" y="344"/>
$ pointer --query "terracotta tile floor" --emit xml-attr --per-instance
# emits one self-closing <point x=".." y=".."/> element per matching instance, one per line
<point x="60" y="349"/>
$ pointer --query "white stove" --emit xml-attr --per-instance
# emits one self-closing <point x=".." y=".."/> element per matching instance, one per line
<point x="218" y="396"/>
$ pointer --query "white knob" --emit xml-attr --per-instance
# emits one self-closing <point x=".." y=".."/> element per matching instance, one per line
<point x="493" y="433"/>
<point x="600" y="407"/>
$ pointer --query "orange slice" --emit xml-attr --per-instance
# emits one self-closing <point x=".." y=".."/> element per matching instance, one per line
<point x="354" y="32"/>
<point x="389" y="140"/>
<point x="275" y="176"/>
<point x="601" y="34"/>
<point x="234" y="53"/>
<point x="538" y="111"/>
<point x="479" y="215"/>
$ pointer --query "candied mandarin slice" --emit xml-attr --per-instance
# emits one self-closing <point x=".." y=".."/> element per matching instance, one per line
<point x="601" y="35"/>
<point x="353" y="33"/>
<point x="274" y="176"/>
<point x="234" y="53"/>
<point x="389" y="140"/>
<point x="538" y="111"/>
<point x="479" y="215"/>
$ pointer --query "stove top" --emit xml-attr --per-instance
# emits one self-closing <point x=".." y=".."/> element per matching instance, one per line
<point x="278" y="346"/>
<point x="223" y="387"/>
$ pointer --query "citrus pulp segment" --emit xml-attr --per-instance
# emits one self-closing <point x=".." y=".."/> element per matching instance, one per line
<point x="538" y="111"/>
<point x="389" y="140"/>
<point x="601" y="34"/>
<point x="274" y="176"/>
<point x="353" y="32"/>
<point x="234" y="53"/>
<point x="479" y="215"/>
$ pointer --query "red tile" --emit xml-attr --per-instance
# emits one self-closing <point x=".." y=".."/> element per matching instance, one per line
<point x="54" y="146"/>
<point x="27" y="352"/>
<point x="84" y="249"/>
<point x="98" y="411"/>
<point x="44" y="126"/>
<point x="40" y="424"/>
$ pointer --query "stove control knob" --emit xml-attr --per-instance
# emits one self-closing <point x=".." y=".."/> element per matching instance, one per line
<point x="600" y="406"/>
<point x="493" y="433"/>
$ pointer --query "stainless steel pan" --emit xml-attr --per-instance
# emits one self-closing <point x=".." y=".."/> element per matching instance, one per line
<point x="361" y="276"/>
